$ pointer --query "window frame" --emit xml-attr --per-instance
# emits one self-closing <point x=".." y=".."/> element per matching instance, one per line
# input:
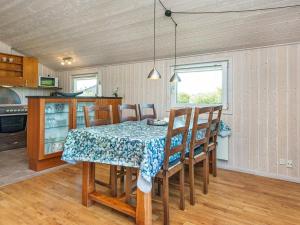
<point x="83" y="76"/>
<point x="224" y="64"/>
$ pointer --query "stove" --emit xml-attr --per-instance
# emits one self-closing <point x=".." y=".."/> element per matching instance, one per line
<point x="13" y="118"/>
<point x="13" y="109"/>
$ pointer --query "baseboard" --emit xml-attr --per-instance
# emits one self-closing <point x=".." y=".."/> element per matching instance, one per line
<point x="262" y="174"/>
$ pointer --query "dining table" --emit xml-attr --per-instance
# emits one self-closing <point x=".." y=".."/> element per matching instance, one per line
<point x="131" y="144"/>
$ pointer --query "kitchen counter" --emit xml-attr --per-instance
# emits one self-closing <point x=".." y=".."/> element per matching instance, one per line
<point x="77" y="97"/>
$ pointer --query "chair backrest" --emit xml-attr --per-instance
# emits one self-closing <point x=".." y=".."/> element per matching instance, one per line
<point x="175" y="113"/>
<point x="206" y="114"/>
<point x="129" y="107"/>
<point x="103" y="115"/>
<point x="143" y="116"/>
<point x="215" y="123"/>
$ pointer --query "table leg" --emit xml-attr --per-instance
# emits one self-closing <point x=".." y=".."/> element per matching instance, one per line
<point x="88" y="182"/>
<point x="144" y="208"/>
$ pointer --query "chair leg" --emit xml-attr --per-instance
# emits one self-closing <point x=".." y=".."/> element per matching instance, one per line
<point x="122" y="170"/>
<point x="153" y="188"/>
<point x="122" y="174"/>
<point x="113" y="180"/>
<point x="208" y="165"/>
<point x="205" y="175"/>
<point x="159" y="188"/>
<point x="192" y="182"/>
<point x="214" y="162"/>
<point x="166" y="200"/>
<point x="182" y="202"/>
<point x="128" y="184"/>
<point x="210" y="161"/>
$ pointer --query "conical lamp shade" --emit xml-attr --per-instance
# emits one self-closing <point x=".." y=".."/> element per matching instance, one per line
<point x="154" y="74"/>
<point x="175" y="78"/>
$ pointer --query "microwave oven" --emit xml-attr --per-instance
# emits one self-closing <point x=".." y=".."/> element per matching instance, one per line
<point x="48" y="82"/>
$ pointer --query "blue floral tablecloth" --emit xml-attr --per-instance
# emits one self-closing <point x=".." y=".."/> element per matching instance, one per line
<point x="131" y="144"/>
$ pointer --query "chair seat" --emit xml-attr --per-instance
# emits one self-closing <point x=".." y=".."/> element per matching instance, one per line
<point x="174" y="167"/>
<point x="197" y="151"/>
<point x="174" y="161"/>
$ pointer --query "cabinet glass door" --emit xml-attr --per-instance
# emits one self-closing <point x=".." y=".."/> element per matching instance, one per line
<point x="80" y="122"/>
<point x="56" y="126"/>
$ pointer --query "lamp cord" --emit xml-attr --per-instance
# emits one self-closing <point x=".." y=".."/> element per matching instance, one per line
<point x="169" y="13"/>
<point x="231" y="11"/>
<point x="238" y="11"/>
<point x="154" y="55"/>
<point x="211" y="12"/>
<point x="175" y="45"/>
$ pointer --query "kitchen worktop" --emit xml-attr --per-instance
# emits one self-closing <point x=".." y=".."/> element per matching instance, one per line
<point x="74" y="97"/>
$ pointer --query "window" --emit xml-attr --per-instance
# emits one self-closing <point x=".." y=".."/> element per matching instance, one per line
<point x="86" y="83"/>
<point x="201" y="84"/>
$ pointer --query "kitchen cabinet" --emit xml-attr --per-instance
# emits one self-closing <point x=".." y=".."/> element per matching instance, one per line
<point x="30" y="72"/>
<point x="18" y="71"/>
<point x="48" y="123"/>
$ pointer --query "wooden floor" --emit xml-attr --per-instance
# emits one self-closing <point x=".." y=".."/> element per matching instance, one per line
<point x="233" y="198"/>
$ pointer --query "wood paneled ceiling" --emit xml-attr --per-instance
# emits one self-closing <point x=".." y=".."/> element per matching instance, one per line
<point x="97" y="32"/>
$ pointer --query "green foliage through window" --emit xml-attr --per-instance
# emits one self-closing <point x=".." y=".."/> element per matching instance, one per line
<point x="208" y="98"/>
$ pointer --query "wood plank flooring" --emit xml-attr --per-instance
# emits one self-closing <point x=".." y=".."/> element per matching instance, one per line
<point x="233" y="199"/>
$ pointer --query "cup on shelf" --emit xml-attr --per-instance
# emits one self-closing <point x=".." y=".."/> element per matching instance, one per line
<point x="166" y="119"/>
<point x="48" y="148"/>
<point x="49" y="109"/>
<point x="57" y="146"/>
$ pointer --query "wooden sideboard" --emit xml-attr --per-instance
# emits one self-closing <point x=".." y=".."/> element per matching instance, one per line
<point x="48" y="122"/>
<point x="18" y="71"/>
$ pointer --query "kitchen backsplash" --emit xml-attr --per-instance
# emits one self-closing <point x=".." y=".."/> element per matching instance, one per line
<point x="23" y="92"/>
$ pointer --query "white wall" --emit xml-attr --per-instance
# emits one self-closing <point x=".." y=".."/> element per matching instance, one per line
<point x="43" y="70"/>
<point x="264" y="109"/>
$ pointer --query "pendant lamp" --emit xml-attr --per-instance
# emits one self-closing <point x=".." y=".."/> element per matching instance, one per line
<point x="154" y="74"/>
<point x="175" y="78"/>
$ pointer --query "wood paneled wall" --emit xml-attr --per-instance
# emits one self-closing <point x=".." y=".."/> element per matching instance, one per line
<point x="43" y="70"/>
<point x="264" y="103"/>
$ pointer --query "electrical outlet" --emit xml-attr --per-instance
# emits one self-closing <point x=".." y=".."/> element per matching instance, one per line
<point x="281" y="161"/>
<point x="289" y="164"/>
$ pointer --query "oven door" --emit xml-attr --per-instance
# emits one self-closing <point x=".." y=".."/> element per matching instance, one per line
<point x="12" y="123"/>
<point x="12" y="132"/>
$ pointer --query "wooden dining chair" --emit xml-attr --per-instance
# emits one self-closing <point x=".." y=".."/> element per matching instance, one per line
<point x="212" y="147"/>
<point x="198" y="148"/>
<point x="127" y="107"/>
<point x="103" y="112"/>
<point x="170" y="168"/>
<point x="143" y="115"/>
<point x="103" y="116"/>
<point x="129" y="173"/>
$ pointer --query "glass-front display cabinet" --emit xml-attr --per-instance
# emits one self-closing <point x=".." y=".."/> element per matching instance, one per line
<point x="57" y="124"/>
<point x="81" y="103"/>
<point x="49" y="121"/>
